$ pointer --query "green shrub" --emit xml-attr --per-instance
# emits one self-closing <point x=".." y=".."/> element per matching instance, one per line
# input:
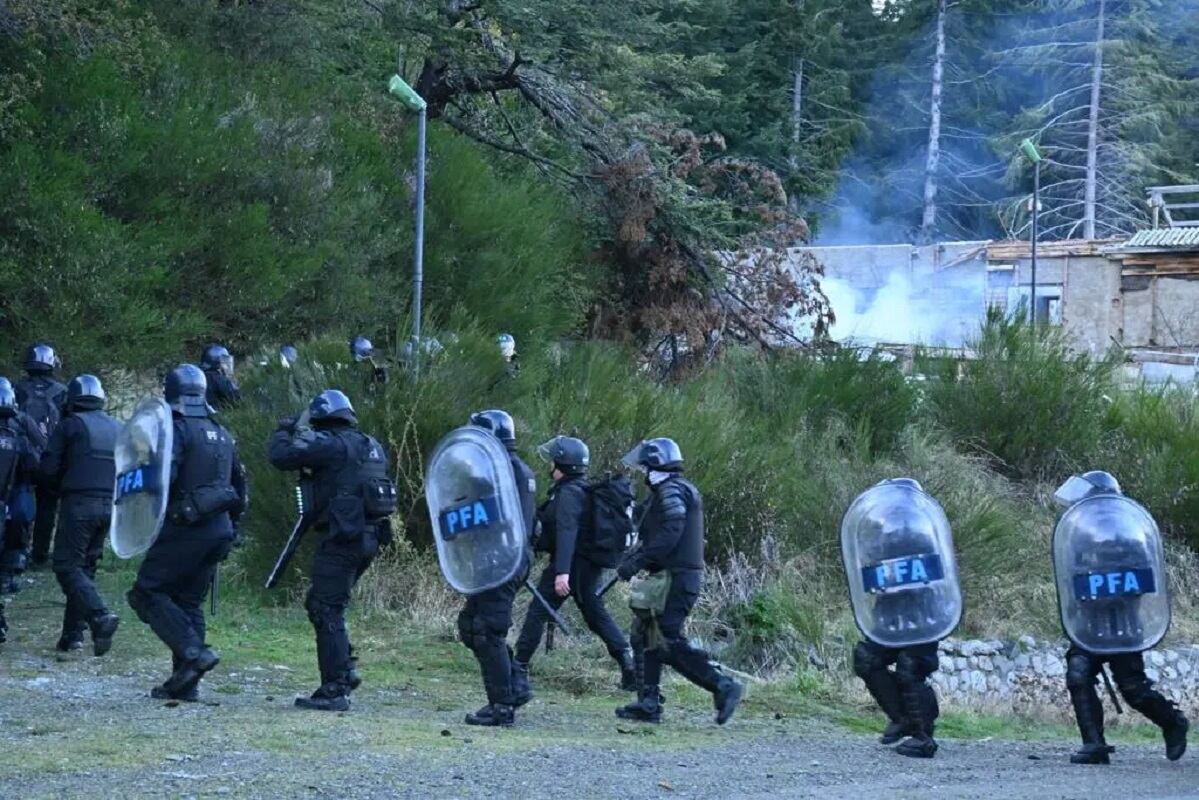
<point x="1027" y="402"/>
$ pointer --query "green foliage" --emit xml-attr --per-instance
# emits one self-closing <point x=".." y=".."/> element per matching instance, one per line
<point x="1155" y="450"/>
<point x="201" y="198"/>
<point x="1026" y="400"/>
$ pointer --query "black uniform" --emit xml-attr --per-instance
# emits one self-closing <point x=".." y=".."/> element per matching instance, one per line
<point x="1082" y="670"/>
<point x="78" y="466"/>
<point x="486" y="617"/>
<point x="18" y="462"/>
<point x="223" y="392"/>
<point x="672" y="536"/>
<point x="20" y="503"/>
<point x="565" y="528"/>
<point x="43" y="398"/>
<point x="207" y="495"/>
<point x="335" y="462"/>
<point x="903" y="693"/>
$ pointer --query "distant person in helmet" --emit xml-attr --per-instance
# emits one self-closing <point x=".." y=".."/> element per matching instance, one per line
<point x="577" y="560"/>
<point x="672" y="547"/>
<point x="42" y="397"/>
<point x="288" y="355"/>
<point x="363" y="352"/>
<point x="79" y="466"/>
<point x="223" y="392"/>
<point x="507" y="345"/>
<point x="347" y="477"/>
<point x="1111" y="616"/>
<point x="18" y="456"/>
<point x="486" y="617"/>
<point x="207" y="494"/>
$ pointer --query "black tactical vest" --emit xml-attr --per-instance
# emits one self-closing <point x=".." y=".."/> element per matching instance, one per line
<point x="207" y="456"/>
<point x="12" y="445"/>
<point x="90" y="464"/>
<point x="688" y="554"/>
<point x="340" y="490"/>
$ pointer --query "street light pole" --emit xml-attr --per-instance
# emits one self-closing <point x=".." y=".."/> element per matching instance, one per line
<point x="414" y="102"/>
<point x="1033" y="155"/>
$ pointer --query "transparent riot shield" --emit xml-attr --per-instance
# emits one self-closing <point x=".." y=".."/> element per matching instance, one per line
<point x="900" y="565"/>
<point x="1110" y="569"/>
<point x="475" y="509"/>
<point x="143" y="462"/>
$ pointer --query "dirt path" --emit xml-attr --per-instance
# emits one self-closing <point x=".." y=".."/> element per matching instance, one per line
<point x="84" y="727"/>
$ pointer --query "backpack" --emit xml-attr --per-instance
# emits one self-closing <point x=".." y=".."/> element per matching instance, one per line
<point x="43" y="404"/>
<point x="611" y="515"/>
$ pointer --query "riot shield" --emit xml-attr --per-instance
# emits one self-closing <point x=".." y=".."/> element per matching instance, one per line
<point x="900" y="565"/>
<point x="1110" y="571"/>
<point x="143" y="461"/>
<point x="475" y="509"/>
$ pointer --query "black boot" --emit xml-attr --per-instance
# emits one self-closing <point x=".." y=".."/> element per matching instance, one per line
<point x="1174" y="725"/>
<point x="188" y="674"/>
<point x="493" y="715"/>
<point x="894" y="732"/>
<point x="1088" y="713"/>
<point x="727" y="697"/>
<point x="330" y="697"/>
<point x="628" y="670"/>
<point x="920" y="742"/>
<point x="103" y="626"/>
<point x="522" y="691"/>
<point x="69" y="642"/>
<point x="187" y="695"/>
<point x="3" y="625"/>
<point x="646" y="708"/>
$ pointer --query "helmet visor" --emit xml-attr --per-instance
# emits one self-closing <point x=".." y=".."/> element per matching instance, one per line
<point x="633" y="459"/>
<point x="1072" y="491"/>
<point x="548" y="451"/>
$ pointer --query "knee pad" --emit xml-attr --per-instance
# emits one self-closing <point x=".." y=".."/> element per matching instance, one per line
<point x="866" y="661"/>
<point x="140" y="601"/>
<point x="911" y="668"/>
<point x="1079" y="673"/>
<point x="323" y="616"/>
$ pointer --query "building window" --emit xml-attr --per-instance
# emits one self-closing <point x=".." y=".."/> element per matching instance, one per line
<point x="1049" y="303"/>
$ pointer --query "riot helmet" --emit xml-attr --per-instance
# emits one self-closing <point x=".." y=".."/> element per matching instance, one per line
<point x="499" y="423"/>
<point x="361" y="348"/>
<point x="8" y="399"/>
<point x="85" y="390"/>
<point x="660" y="455"/>
<point x="331" y="406"/>
<point x="217" y="357"/>
<point x="567" y="454"/>
<point x="41" y="358"/>
<point x="1080" y="487"/>
<point x="507" y="345"/>
<point x="288" y="355"/>
<point x="185" y="390"/>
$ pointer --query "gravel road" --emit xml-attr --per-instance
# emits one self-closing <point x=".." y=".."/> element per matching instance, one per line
<point x="84" y="727"/>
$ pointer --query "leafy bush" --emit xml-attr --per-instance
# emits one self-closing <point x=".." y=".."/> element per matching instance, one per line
<point x="1027" y="402"/>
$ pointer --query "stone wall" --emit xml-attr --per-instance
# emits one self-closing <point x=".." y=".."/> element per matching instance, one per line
<point x="1028" y="676"/>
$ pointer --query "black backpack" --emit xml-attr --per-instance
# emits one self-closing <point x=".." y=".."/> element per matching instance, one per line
<point x="44" y="405"/>
<point x="611" y="516"/>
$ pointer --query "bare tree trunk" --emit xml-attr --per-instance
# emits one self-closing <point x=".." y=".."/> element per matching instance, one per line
<point x="928" y="224"/>
<point x="796" y="125"/>
<point x="1092" y="179"/>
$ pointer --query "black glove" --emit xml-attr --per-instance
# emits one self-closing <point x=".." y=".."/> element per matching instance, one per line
<point x="627" y="568"/>
<point x="287" y="424"/>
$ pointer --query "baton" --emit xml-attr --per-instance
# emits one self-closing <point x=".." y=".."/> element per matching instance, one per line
<point x="214" y="601"/>
<point x="554" y="615"/>
<point x="1110" y="691"/>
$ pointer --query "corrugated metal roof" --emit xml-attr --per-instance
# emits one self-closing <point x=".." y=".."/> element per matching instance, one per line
<point x="1182" y="238"/>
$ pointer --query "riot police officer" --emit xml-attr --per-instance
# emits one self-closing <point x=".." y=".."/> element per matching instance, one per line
<point x="507" y="345"/>
<point x="902" y="573"/>
<point x="363" y="352"/>
<point x="223" y="392"/>
<point x="576" y="562"/>
<point x="78" y="466"/>
<point x="42" y="397"/>
<point x="672" y="548"/>
<point x="18" y="457"/>
<point x="486" y="617"/>
<point x="1106" y="535"/>
<point x="346" y="477"/>
<point x="206" y="497"/>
